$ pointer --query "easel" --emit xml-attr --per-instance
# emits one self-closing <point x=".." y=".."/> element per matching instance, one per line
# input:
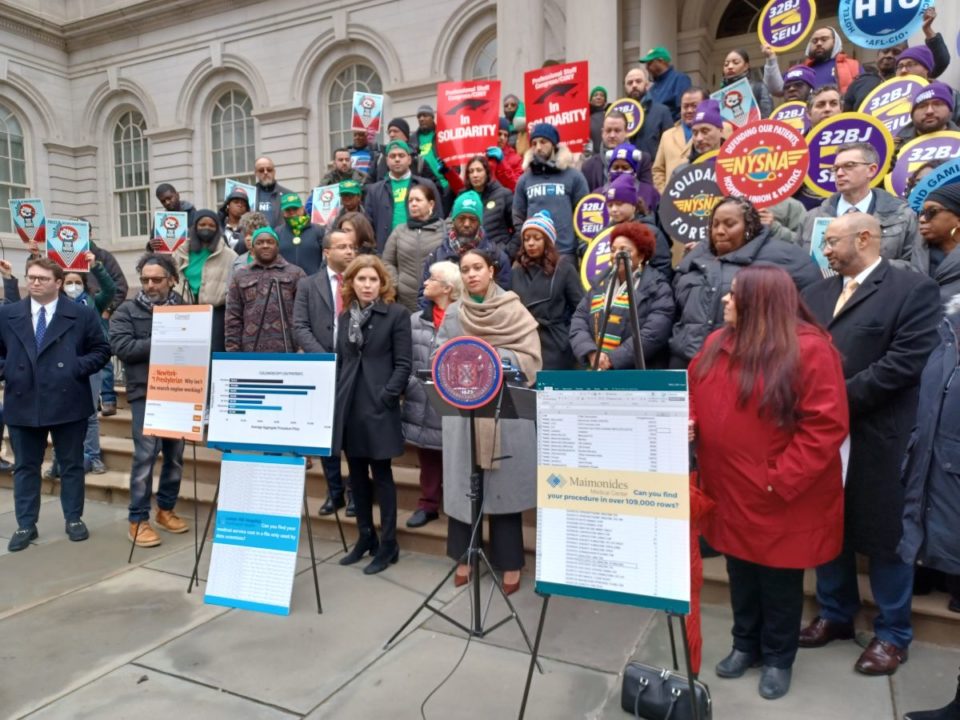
<point x="509" y="403"/>
<point x="621" y="261"/>
<point x="194" y="579"/>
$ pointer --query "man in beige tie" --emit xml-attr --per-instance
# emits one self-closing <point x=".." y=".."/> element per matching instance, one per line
<point x="883" y="320"/>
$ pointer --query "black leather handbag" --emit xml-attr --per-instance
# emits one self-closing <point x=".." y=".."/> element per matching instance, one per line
<point x="654" y="693"/>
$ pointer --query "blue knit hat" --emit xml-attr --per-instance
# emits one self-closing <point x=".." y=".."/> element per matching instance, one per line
<point x="542" y="221"/>
<point x="545" y="131"/>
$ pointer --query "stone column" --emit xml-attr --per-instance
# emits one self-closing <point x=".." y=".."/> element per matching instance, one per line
<point x="658" y="26"/>
<point x="520" y="25"/>
<point x="593" y="34"/>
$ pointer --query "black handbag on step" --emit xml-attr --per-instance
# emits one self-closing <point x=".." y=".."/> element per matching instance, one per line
<point x="653" y="693"/>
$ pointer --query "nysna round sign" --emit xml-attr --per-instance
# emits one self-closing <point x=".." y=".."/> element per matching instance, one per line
<point x="877" y="24"/>
<point x="764" y="162"/>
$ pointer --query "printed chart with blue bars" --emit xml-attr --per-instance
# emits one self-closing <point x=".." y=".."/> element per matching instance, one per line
<point x="272" y="402"/>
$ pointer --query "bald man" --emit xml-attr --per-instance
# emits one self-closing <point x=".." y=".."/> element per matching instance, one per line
<point x="883" y="320"/>
<point x="268" y="190"/>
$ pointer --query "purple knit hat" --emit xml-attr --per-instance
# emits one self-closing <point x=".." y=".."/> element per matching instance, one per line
<point x="935" y="91"/>
<point x="920" y="54"/>
<point x="708" y="112"/>
<point x="800" y="73"/>
<point x="622" y="189"/>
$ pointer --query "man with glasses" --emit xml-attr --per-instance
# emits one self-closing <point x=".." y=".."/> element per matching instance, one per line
<point x="49" y="348"/>
<point x="131" y="328"/>
<point x="854" y="166"/>
<point x="269" y="191"/>
<point x="316" y="311"/>
<point x="883" y="320"/>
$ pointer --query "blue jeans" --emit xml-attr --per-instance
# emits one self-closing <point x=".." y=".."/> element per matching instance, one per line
<point x="29" y="444"/>
<point x="891" y="582"/>
<point x="107" y="393"/>
<point x="145" y="451"/>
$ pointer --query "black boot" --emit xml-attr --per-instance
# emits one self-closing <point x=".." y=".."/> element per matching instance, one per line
<point x="387" y="555"/>
<point x="367" y="542"/>
<point x="950" y="712"/>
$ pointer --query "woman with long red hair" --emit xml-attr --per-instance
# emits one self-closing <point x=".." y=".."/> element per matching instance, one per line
<point x="769" y="407"/>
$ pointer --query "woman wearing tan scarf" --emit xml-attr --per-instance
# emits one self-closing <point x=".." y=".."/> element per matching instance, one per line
<point x="506" y="450"/>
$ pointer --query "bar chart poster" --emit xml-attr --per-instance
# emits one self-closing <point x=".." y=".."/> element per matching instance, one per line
<point x="177" y="379"/>
<point x="272" y="402"/>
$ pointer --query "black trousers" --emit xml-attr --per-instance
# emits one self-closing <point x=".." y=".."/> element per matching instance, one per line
<point x="505" y="549"/>
<point x="363" y="491"/>
<point x="767" y="610"/>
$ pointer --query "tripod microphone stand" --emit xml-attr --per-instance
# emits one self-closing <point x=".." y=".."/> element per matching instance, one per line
<point x="621" y="261"/>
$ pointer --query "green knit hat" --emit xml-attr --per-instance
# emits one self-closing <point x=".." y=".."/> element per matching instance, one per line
<point x="350" y="187"/>
<point x="395" y="144"/>
<point x="468" y="202"/>
<point x="264" y="230"/>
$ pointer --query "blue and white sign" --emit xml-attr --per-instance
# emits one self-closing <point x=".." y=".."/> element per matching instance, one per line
<point x="255" y="540"/>
<point x="946" y="174"/>
<point x="876" y="24"/>
<point x="272" y="402"/>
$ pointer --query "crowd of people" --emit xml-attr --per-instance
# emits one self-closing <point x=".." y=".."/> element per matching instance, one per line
<point x="804" y="383"/>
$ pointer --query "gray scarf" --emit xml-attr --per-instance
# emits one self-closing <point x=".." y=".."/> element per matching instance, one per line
<point x="358" y="318"/>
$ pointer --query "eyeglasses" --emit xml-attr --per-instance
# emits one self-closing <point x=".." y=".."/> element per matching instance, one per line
<point x="39" y="279"/>
<point x="930" y="213"/>
<point x="153" y="280"/>
<point x="833" y="242"/>
<point x="847" y="166"/>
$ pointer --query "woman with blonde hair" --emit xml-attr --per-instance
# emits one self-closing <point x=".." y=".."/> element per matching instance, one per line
<point x="373" y="365"/>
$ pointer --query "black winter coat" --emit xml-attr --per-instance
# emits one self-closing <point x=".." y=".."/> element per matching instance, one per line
<point x="552" y="301"/>
<point x="498" y="218"/>
<point x="369" y="384"/>
<point x="885" y="334"/>
<point x="655" y="313"/>
<point x="703" y="278"/>
<point x="931" y="470"/>
<point x="131" y="331"/>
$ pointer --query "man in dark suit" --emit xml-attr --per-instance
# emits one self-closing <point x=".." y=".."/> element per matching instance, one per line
<point x="49" y="348"/>
<point x="884" y="323"/>
<point x="315" y="311"/>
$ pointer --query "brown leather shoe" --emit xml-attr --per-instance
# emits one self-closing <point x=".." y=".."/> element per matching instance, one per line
<point x="146" y="535"/>
<point x="820" y="632"/>
<point x="168" y="520"/>
<point x="881" y="658"/>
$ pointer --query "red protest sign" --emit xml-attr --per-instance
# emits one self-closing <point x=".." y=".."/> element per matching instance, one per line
<point x="559" y="95"/>
<point x="467" y="118"/>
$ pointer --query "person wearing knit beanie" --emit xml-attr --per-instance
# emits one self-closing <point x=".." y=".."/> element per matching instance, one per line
<point x="468" y="202"/>
<point x="707" y="127"/>
<point x="398" y="129"/>
<point x="621" y="196"/>
<point x="623" y="153"/>
<point x="542" y="222"/>
<point x="915" y="61"/>
<point x="948" y="197"/>
<point x="937" y="255"/>
<point x="932" y="110"/>
<point x="598" y="96"/>
<point x="546" y="131"/>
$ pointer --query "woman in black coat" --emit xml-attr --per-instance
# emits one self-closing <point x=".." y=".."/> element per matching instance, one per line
<point x="549" y="288"/>
<point x="931" y="474"/>
<point x="497" y="206"/>
<point x="374" y="357"/>
<point x="655" y="308"/>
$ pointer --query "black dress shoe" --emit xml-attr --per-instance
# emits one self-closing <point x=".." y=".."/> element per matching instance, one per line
<point x="950" y="712"/>
<point x="774" y="682"/>
<point x="367" y="542"/>
<point x="351" y="508"/>
<point x="331" y="506"/>
<point x="383" y="559"/>
<point x="421" y="517"/>
<point x="77" y="530"/>
<point x="21" y="538"/>
<point x="6" y="466"/>
<point x="736" y="664"/>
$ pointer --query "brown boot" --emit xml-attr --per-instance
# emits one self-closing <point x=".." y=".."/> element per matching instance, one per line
<point x="168" y="520"/>
<point x="146" y="535"/>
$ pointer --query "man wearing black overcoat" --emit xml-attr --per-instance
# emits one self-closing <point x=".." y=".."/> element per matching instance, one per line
<point x="49" y="348"/>
<point x="884" y="323"/>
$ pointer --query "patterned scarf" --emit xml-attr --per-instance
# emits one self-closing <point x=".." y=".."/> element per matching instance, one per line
<point x="619" y="315"/>
<point x="147" y="304"/>
<point x="358" y="318"/>
<point x="297" y="224"/>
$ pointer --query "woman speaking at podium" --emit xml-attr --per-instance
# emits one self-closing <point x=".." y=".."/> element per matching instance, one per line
<point x="374" y="356"/>
<point x="506" y="449"/>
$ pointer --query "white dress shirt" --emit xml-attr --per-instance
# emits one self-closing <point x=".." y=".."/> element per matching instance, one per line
<point x="863" y="206"/>
<point x="35" y="311"/>
<point x="332" y="277"/>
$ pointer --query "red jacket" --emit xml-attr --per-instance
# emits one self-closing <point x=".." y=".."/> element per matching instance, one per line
<point x="509" y="170"/>
<point x="778" y="494"/>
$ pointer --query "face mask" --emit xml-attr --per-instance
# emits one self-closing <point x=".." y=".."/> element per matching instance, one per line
<point x="297" y="224"/>
<point x="73" y="290"/>
<point x="206" y="235"/>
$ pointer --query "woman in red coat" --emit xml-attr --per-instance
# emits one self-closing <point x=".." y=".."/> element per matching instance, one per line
<point x="770" y="412"/>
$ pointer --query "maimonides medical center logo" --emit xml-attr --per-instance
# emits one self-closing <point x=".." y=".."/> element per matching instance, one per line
<point x="764" y="161"/>
<point x="556" y="481"/>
